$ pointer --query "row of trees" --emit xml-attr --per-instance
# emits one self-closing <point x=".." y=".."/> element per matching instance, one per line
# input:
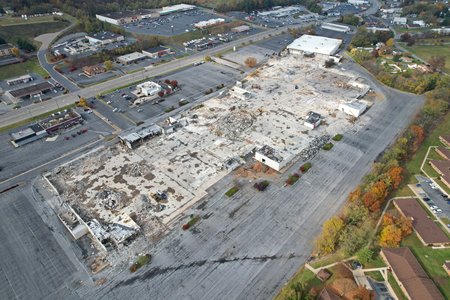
<point x="352" y="230"/>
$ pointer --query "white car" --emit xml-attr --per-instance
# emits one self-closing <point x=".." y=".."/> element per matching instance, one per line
<point x="433" y="207"/>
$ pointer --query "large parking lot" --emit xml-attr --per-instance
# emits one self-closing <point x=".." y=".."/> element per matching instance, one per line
<point x="170" y="25"/>
<point x="56" y="91"/>
<point x="14" y="161"/>
<point x="207" y="76"/>
<point x="33" y="265"/>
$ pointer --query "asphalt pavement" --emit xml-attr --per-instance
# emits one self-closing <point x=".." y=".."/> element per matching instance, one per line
<point x="435" y="195"/>
<point x="248" y="246"/>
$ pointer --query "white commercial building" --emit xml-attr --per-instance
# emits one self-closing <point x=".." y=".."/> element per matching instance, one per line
<point x="210" y="22"/>
<point x="268" y="156"/>
<point x="335" y="27"/>
<point x="354" y="109"/>
<point x="176" y="8"/>
<point x="400" y="21"/>
<point x="314" y="44"/>
<point x="149" y="88"/>
<point x="421" y="23"/>
<point x="19" y="80"/>
<point x="358" y="2"/>
<point x="104" y="38"/>
<point x="131" y="58"/>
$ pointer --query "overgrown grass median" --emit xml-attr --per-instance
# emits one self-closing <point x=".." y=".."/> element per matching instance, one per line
<point x="232" y="191"/>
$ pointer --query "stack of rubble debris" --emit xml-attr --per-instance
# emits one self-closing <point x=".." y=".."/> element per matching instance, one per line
<point x="314" y="146"/>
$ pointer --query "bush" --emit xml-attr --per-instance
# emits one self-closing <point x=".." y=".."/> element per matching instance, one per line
<point x="232" y="191"/>
<point x="305" y="167"/>
<point x="261" y="186"/>
<point x="292" y="179"/>
<point x="186" y="226"/>
<point x="169" y="109"/>
<point x="250" y="62"/>
<point x="141" y="261"/>
<point x="183" y="102"/>
<point x="338" y="137"/>
<point x="327" y="146"/>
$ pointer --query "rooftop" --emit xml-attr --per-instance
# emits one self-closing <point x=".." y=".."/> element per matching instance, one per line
<point x="178" y="7"/>
<point x="59" y="117"/>
<point x="315" y="44"/>
<point x="132" y="56"/>
<point x="22" y="133"/>
<point x="23" y="77"/>
<point x="271" y="153"/>
<point x="313" y="117"/>
<point x="411" y="274"/>
<point x="30" y="90"/>
<point x="445" y="138"/>
<point x="444" y="152"/>
<point x="443" y="167"/>
<point x="428" y="230"/>
<point x="116" y="15"/>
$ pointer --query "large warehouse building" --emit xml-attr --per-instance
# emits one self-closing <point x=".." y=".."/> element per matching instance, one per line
<point x="314" y="44"/>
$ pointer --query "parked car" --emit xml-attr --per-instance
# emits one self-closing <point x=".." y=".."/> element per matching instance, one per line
<point x="434" y="207"/>
<point x="426" y="199"/>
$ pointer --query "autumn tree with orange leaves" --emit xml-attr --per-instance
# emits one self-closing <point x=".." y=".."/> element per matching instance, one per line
<point x="395" y="175"/>
<point x="395" y="228"/>
<point x="418" y="135"/>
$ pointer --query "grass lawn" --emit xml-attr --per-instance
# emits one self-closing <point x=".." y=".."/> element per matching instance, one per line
<point x="375" y="275"/>
<point x="304" y="276"/>
<point x="12" y="32"/>
<point x="7" y="21"/>
<point x="328" y="260"/>
<point x="32" y="65"/>
<point x="403" y="191"/>
<point x="426" y="52"/>
<point x="398" y="291"/>
<point x="432" y="261"/>
<point x="413" y="165"/>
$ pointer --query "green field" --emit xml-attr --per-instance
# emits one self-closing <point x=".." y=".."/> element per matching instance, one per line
<point x="432" y="261"/>
<point x="426" y="52"/>
<point x="12" y="32"/>
<point x="19" y="21"/>
<point x="30" y="66"/>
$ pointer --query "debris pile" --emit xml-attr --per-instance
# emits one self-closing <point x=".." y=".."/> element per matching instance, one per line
<point x="110" y="199"/>
<point x="233" y="124"/>
<point x="314" y="146"/>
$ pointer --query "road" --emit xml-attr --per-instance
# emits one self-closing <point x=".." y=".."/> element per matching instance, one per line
<point x="46" y="40"/>
<point x="42" y="107"/>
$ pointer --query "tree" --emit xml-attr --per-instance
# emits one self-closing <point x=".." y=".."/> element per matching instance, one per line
<point x="405" y="225"/>
<point x="390" y="236"/>
<point x="390" y="42"/>
<point x="354" y="237"/>
<point x="329" y="237"/>
<point x="418" y="135"/>
<point x="250" y="62"/>
<point x="208" y="58"/>
<point x="437" y="62"/>
<point x="25" y="45"/>
<point x="174" y="83"/>
<point x="82" y="102"/>
<point x="350" y="20"/>
<point x="161" y="93"/>
<point x="15" y="51"/>
<point x="108" y="65"/>
<point x="354" y="213"/>
<point x="365" y="255"/>
<point x="395" y="175"/>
